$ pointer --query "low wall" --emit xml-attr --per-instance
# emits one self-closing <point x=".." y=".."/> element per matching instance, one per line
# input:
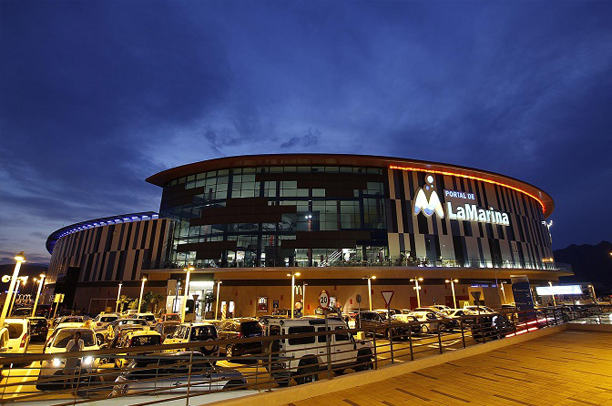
<point x="323" y="387"/>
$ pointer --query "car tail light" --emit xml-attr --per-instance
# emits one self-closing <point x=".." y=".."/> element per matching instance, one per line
<point x="23" y="341"/>
<point x="99" y="323"/>
<point x="239" y="335"/>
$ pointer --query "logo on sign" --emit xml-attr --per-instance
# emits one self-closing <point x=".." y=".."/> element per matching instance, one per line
<point x="428" y="205"/>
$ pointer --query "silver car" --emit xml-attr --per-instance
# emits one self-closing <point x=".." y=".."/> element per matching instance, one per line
<point x="159" y="374"/>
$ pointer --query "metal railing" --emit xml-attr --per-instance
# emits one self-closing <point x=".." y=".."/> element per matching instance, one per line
<point x="175" y="372"/>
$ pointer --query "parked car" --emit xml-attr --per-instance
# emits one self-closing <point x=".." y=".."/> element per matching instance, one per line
<point x="136" y="338"/>
<point x="460" y="316"/>
<point x="395" y="328"/>
<point x="22" y="312"/>
<point x="430" y="321"/>
<point x="39" y="328"/>
<point x="491" y="326"/>
<point x="102" y="320"/>
<point x="301" y="358"/>
<point x="114" y="335"/>
<point x="148" y="317"/>
<point x="67" y="319"/>
<point x="170" y="317"/>
<point x="56" y="344"/>
<point x="439" y="308"/>
<point x="231" y="329"/>
<point x="171" y="373"/>
<point x="19" y="336"/>
<point x="483" y="309"/>
<point x="166" y="328"/>
<point x="196" y="332"/>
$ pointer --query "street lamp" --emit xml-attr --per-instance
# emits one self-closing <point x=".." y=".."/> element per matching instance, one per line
<point x="592" y="288"/>
<point x="553" y="295"/>
<point x="504" y="291"/>
<point x="186" y="292"/>
<point x="369" y="278"/>
<point x="217" y="302"/>
<point x="304" y="297"/>
<point x="416" y="281"/>
<point x="23" y="280"/>
<point x="141" y="291"/>
<point x="118" y="296"/>
<point x="293" y="274"/>
<point x="452" y="282"/>
<point x="41" y="282"/>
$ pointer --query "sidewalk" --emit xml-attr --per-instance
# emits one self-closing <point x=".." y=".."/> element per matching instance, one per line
<point x="568" y="368"/>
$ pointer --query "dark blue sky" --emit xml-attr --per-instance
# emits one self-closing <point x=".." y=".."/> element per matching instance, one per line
<point x="97" y="96"/>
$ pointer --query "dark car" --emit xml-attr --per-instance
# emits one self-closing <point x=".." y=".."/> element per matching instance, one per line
<point x="491" y="327"/>
<point x="240" y="328"/>
<point x="166" y="328"/>
<point x="38" y="328"/>
<point x="22" y="312"/>
<point x="395" y="329"/>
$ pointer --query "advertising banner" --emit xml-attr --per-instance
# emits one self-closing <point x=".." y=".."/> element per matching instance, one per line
<point x="523" y="298"/>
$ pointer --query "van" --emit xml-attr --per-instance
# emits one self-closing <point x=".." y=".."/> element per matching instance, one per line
<point x="302" y="358"/>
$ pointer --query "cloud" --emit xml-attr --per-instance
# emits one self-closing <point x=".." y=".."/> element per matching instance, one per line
<point x="306" y="141"/>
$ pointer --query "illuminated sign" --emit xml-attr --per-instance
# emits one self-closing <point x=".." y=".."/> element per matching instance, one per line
<point x="431" y="204"/>
<point x="559" y="290"/>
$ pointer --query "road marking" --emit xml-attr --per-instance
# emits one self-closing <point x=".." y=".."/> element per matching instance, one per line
<point x="23" y="381"/>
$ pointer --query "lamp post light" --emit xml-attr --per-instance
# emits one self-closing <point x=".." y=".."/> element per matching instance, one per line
<point x="416" y="281"/>
<point x="293" y="274"/>
<point x="141" y="291"/>
<point x="217" y="302"/>
<point x="370" y="279"/>
<point x="186" y="292"/>
<point x="552" y="294"/>
<point x="452" y="282"/>
<point x="118" y="296"/>
<point x="19" y="258"/>
<point x="41" y="282"/>
<point x="304" y="298"/>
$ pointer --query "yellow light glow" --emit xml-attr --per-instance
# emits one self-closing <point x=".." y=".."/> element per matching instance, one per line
<point x="373" y="277"/>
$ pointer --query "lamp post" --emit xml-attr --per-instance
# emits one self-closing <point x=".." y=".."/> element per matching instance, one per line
<point x="592" y="288"/>
<point x="141" y="291"/>
<point x="186" y="292"/>
<point x="41" y="282"/>
<point x="503" y="291"/>
<point x="552" y="294"/>
<point x="19" y="258"/>
<point x="369" y="278"/>
<point x="452" y="282"/>
<point x="118" y="296"/>
<point x="304" y="298"/>
<point x="416" y="281"/>
<point x="217" y="302"/>
<point x="23" y="280"/>
<point x="293" y="274"/>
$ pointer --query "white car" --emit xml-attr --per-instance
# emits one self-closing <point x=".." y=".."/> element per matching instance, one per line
<point x="304" y="357"/>
<point x="19" y="335"/>
<point x="102" y="320"/>
<point x="430" y="321"/>
<point x="483" y="309"/>
<point x="196" y="332"/>
<point x="148" y="317"/>
<point x="439" y="308"/>
<point x="56" y="344"/>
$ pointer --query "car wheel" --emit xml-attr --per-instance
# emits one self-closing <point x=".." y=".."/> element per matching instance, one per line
<point x="391" y="334"/>
<point x="229" y="351"/>
<point x="235" y="385"/>
<point x="310" y="374"/>
<point x="364" y="364"/>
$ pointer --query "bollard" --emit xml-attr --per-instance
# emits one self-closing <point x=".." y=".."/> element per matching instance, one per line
<point x="462" y="332"/>
<point x="410" y="342"/>
<point x="439" y="339"/>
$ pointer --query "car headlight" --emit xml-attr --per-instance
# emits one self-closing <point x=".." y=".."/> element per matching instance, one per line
<point x="88" y="360"/>
<point x="57" y="362"/>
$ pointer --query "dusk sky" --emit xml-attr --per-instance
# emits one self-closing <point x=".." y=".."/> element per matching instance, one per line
<point x="97" y="96"/>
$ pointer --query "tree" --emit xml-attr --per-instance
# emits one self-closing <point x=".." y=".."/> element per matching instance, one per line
<point x="156" y="298"/>
<point x="123" y="301"/>
<point x="133" y="304"/>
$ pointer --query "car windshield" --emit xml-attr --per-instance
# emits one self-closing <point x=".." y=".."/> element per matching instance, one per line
<point x="38" y="322"/>
<point x="138" y="341"/>
<point x="169" y="329"/>
<point x="108" y="319"/>
<point x="66" y="335"/>
<point x="72" y="320"/>
<point x="148" y="317"/>
<point x="15" y="330"/>
<point x="172" y="317"/>
<point x="201" y="333"/>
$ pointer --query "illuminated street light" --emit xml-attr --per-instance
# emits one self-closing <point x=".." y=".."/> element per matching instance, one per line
<point x="217" y="302"/>
<point x="369" y="278"/>
<point x="19" y="258"/>
<point x="118" y="296"/>
<point x="41" y="282"/>
<point x="293" y="274"/>
<point x="452" y="282"/>
<point x="141" y="291"/>
<point x="186" y="292"/>
<point x="416" y="281"/>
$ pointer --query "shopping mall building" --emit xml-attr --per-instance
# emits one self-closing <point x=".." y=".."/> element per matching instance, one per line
<point x="337" y="220"/>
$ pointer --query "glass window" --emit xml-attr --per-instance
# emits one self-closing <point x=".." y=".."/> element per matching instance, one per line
<point x="318" y="192"/>
<point x="301" y="340"/>
<point x="342" y="336"/>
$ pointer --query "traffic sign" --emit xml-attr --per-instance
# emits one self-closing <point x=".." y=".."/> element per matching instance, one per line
<point x="358" y="298"/>
<point x="324" y="299"/>
<point x="387" y="295"/>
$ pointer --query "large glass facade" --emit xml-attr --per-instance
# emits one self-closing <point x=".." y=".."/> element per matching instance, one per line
<point x="278" y="216"/>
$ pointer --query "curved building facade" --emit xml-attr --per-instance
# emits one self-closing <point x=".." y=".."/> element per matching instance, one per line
<point x="330" y="210"/>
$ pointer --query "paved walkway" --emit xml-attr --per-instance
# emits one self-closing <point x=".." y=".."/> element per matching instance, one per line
<point x="569" y="368"/>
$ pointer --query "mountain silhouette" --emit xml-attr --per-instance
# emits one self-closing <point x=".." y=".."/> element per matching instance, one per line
<point x="591" y="263"/>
